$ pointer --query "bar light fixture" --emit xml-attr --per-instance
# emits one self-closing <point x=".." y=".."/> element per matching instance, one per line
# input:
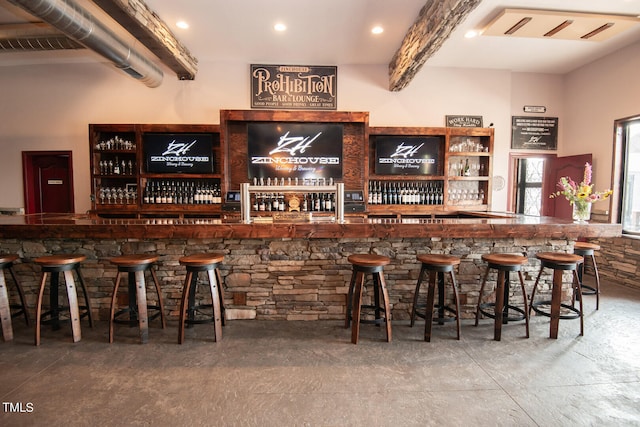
<point x="555" y="24"/>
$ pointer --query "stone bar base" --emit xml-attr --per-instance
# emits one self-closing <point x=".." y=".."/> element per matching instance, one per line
<point x="292" y="279"/>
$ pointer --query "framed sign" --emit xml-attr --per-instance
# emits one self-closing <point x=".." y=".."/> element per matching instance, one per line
<point x="296" y="150"/>
<point x="534" y="133"/>
<point x="294" y="87"/>
<point x="407" y="155"/>
<point x="463" y="121"/>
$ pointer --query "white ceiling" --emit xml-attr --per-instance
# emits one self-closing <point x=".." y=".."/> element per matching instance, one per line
<point x="337" y="32"/>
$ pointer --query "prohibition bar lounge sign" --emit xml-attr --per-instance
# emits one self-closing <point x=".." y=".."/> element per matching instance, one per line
<point x="407" y="155"/>
<point x="294" y="87"/>
<point x="295" y="150"/>
<point x="534" y="133"/>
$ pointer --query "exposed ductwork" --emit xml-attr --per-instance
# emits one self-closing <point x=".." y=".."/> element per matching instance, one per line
<point x="77" y="23"/>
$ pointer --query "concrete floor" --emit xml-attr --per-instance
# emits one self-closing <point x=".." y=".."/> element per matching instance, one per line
<point x="309" y="374"/>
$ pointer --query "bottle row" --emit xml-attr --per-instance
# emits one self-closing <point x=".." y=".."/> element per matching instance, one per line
<point x="182" y="192"/>
<point x="117" y="195"/>
<point x="405" y="193"/>
<point x="116" y="143"/>
<point x="310" y="202"/>
<point x="293" y="181"/>
<point x="117" y="167"/>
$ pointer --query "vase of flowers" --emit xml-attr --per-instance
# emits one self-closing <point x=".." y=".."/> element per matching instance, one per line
<point x="580" y="196"/>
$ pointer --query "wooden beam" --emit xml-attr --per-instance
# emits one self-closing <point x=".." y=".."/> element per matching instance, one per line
<point x="146" y="26"/>
<point x="433" y="26"/>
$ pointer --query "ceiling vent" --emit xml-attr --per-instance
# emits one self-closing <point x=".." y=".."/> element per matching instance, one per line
<point x="81" y="26"/>
<point x="548" y="24"/>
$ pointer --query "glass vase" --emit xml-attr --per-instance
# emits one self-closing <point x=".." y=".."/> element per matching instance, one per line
<point x="581" y="211"/>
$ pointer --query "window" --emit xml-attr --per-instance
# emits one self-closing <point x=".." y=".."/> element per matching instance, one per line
<point x="529" y="186"/>
<point x="627" y="168"/>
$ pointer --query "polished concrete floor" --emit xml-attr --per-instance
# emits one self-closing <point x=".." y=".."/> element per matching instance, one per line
<point x="309" y="374"/>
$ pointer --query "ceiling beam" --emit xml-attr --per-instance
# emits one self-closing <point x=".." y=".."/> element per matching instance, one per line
<point x="146" y="26"/>
<point x="433" y="26"/>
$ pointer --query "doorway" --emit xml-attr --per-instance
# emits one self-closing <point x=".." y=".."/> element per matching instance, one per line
<point x="534" y="177"/>
<point x="48" y="181"/>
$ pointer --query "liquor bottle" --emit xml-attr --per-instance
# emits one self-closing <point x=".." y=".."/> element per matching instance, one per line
<point x="316" y="203"/>
<point x="169" y="194"/>
<point x="276" y="203"/>
<point x="145" y="197"/>
<point x="305" y="203"/>
<point x="116" y="167"/>
<point x="262" y="206"/>
<point x="385" y="195"/>
<point x="370" y="194"/>
<point x="328" y="206"/>
<point x="255" y="202"/>
<point x="467" y="170"/>
<point x="281" y="204"/>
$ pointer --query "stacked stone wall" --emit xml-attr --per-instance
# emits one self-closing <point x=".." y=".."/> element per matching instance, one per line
<point x="292" y="279"/>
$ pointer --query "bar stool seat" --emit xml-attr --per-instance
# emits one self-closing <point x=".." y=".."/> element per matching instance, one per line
<point x="587" y="251"/>
<point x="363" y="264"/>
<point x="135" y="265"/>
<point x="66" y="264"/>
<point x="436" y="265"/>
<point x="504" y="264"/>
<point x="6" y="263"/>
<point x="559" y="262"/>
<point x="209" y="263"/>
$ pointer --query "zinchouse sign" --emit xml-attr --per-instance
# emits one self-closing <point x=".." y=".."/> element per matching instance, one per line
<point x="294" y="87"/>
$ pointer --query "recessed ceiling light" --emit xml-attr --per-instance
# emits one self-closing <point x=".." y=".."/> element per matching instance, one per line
<point x="471" y="34"/>
<point x="377" y="29"/>
<point x="182" y="24"/>
<point x="280" y="27"/>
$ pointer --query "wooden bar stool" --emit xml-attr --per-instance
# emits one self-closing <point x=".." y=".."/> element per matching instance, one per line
<point x="135" y="266"/>
<point x="6" y="263"/>
<point x="436" y="265"/>
<point x="363" y="264"/>
<point x="559" y="262"/>
<point x="188" y="309"/>
<point x="66" y="264"/>
<point x="504" y="264"/>
<point x="587" y="251"/>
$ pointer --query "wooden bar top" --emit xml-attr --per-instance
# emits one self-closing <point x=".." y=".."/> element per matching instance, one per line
<point x="502" y="225"/>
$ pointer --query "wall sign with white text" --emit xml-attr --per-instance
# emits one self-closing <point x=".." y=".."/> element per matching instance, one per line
<point x="294" y="87"/>
<point x="534" y="133"/>
<point x="295" y="150"/>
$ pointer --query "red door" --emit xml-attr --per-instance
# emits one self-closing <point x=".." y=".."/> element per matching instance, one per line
<point x="48" y="181"/>
<point x="571" y="166"/>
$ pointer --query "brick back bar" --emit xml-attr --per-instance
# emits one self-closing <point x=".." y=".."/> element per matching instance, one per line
<point x="293" y="271"/>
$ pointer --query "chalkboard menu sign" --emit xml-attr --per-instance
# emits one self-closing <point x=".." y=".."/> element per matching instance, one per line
<point x="534" y="133"/>
<point x="189" y="153"/>
<point x="407" y="155"/>
<point x="296" y="150"/>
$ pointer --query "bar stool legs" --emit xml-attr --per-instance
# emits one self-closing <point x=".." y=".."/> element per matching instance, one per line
<point x="66" y="264"/>
<point x="436" y="265"/>
<point x="195" y="264"/>
<point x="587" y="251"/>
<point x="134" y="266"/>
<point x="363" y="264"/>
<point x="559" y="262"/>
<point x="503" y="263"/>
<point x="6" y="263"/>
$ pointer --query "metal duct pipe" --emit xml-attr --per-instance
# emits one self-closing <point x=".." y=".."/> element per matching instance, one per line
<point x="80" y="25"/>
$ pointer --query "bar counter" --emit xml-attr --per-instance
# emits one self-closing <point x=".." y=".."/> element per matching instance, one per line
<point x="487" y="225"/>
<point x="289" y="270"/>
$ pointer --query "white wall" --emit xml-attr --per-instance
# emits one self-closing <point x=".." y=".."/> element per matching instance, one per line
<point x="596" y="95"/>
<point x="49" y="107"/>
